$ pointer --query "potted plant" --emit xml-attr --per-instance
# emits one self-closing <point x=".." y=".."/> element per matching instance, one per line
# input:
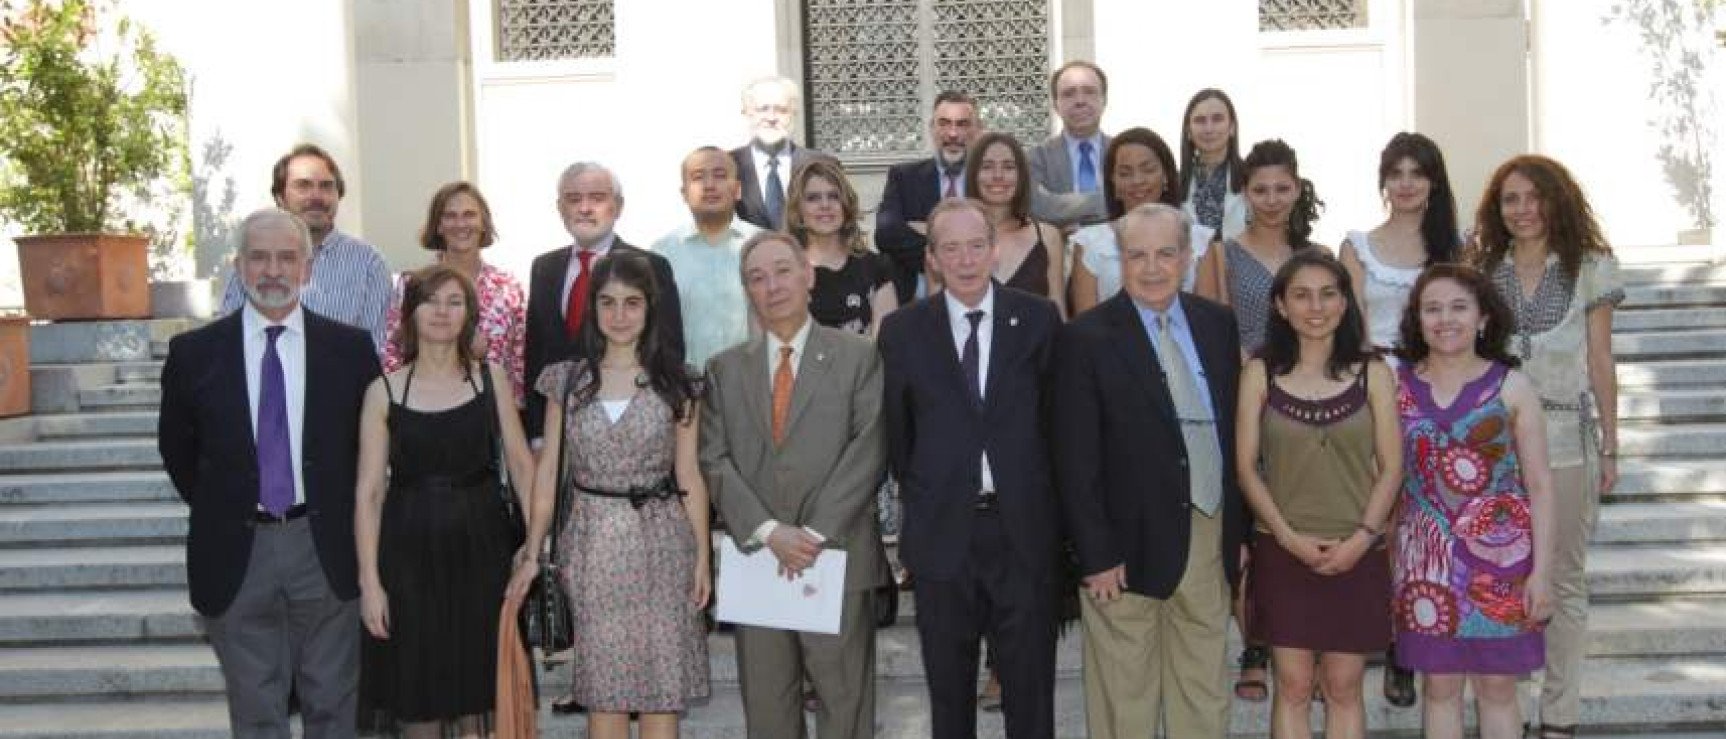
<point x="91" y="115"/>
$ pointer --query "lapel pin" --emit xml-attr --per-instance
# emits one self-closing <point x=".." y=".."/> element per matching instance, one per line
<point x="1012" y="320"/>
<point x="820" y="357"/>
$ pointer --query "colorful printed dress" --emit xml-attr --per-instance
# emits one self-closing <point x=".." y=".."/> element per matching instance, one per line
<point x="1465" y="541"/>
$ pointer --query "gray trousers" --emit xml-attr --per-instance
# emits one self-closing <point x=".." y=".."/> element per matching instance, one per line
<point x="771" y="664"/>
<point x="287" y="631"/>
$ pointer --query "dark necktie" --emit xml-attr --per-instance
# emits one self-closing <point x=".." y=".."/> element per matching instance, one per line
<point x="953" y="173"/>
<point x="775" y="194"/>
<point x="275" y="447"/>
<point x="970" y="361"/>
<point x="573" y="312"/>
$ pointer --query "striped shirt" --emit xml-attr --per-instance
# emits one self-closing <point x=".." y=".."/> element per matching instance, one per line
<point x="350" y="283"/>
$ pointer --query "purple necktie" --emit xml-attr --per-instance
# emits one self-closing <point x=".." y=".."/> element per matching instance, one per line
<point x="275" y="449"/>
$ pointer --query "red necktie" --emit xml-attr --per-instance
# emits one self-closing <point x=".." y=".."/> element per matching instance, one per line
<point x="578" y="294"/>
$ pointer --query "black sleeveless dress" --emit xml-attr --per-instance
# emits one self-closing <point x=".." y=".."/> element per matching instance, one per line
<point x="444" y="550"/>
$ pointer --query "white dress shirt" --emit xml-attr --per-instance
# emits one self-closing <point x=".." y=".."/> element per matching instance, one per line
<point x="760" y="158"/>
<point x="961" y="327"/>
<point x="574" y="270"/>
<point x="291" y="349"/>
<point x="774" y="345"/>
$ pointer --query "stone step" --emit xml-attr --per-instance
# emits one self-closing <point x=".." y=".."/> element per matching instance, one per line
<point x="104" y="424"/>
<point x="1620" y="697"/>
<point x="1684" y="344"/>
<point x="1636" y="572"/>
<point x="103" y="616"/>
<point x="1710" y="372"/>
<point x="1672" y="440"/>
<point x="126" y="395"/>
<point x="1674" y="295"/>
<point x="80" y="455"/>
<point x="1672" y="405"/>
<point x="1657" y="479"/>
<point x="1663" y="522"/>
<point x="85" y="342"/>
<point x="55" y="488"/>
<point x="1667" y="319"/>
<point x="163" y="522"/>
<point x="1691" y="272"/>
<point x="57" y="568"/>
<point x="138" y="372"/>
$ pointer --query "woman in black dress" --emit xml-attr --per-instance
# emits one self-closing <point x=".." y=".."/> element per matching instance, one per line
<point x="434" y="536"/>
<point x="853" y="285"/>
<point x="1031" y="256"/>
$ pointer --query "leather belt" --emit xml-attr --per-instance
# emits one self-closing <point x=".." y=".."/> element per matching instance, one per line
<point x="265" y="517"/>
<point x="986" y="501"/>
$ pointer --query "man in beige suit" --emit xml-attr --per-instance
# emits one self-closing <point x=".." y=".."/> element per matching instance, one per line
<point x="793" y="451"/>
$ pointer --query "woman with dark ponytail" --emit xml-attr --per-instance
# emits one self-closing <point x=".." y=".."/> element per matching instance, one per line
<point x="1283" y="207"/>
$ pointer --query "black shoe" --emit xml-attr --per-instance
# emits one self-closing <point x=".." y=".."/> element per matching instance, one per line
<point x="567" y="706"/>
<point x="1398" y="682"/>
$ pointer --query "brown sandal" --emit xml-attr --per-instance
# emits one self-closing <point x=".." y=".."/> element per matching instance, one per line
<point x="1253" y="690"/>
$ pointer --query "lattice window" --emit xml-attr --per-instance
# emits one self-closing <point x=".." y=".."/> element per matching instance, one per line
<point x="1311" y="15"/>
<point x="550" y="30"/>
<point x="873" y="68"/>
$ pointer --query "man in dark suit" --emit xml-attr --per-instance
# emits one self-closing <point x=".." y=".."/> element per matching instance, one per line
<point x="913" y="188"/>
<point x="765" y="164"/>
<point x="259" y="431"/>
<point x="589" y="199"/>
<point x="1144" y="448"/>
<point x="1067" y="168"/>
<point x="967" y="375"/>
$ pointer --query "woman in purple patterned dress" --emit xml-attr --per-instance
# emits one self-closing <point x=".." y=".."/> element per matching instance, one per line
<point x="634" y="553"/>
<point x="1474" y="542"/>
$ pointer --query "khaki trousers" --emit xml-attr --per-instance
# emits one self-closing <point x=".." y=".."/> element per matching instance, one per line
<point x="1147" y="658"/>
<point x="1576" y="507"/>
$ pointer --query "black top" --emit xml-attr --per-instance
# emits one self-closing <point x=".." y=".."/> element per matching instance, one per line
<point x="1032" y="276"/>
<point x="840" y="298"/>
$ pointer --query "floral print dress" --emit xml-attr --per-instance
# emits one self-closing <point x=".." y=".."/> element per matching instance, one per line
<point x="502" y="323"/>
<point x="1465" y="540"/>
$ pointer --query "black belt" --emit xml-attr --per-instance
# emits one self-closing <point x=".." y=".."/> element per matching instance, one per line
<point x="639" y="495"/>
<point x="986" y="502"/>
<point x="293" y="513"/>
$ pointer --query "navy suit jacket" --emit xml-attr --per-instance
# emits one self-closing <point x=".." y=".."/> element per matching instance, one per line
<point x="1119" y="452"/>
<point x="548" y="341"/>
<point x="204" y="434"/>
<point x="913" y="189"/>
<point x="936" y="434"/>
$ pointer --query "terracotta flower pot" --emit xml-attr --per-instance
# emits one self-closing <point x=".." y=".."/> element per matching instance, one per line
<point x="85" y="276"/>
<point x="14" y="366"/>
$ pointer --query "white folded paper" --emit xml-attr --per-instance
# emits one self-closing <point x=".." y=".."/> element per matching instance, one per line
<point x="751" y="591"/>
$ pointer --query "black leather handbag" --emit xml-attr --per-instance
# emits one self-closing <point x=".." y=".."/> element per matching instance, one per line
<point x="546" y="622"/>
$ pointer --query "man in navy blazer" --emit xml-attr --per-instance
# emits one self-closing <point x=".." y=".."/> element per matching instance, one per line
<point x="966" y="384"/>
<point x="913" y="188"/>
<point x="765" y="164"/>
<point x="259" y="431"/>
<point x="1149" y="488"/>
<point x="589" y="199"/>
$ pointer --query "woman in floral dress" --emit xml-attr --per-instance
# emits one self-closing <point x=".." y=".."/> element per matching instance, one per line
<point x="1474" y="540"/>
<point x="634" y="555"/>
<point x="458" y="225"/>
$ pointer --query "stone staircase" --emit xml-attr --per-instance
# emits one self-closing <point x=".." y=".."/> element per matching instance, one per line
<point x="97" y="638"/>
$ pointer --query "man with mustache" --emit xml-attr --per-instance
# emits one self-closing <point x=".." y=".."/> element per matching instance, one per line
<point x="350" y="282"/>
<point x="913" y="188"/>
<point x="259" y="431"/>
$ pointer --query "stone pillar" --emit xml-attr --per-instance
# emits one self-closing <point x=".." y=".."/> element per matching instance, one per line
<point x="412" y="71"/>
<point x="1471" y="87"/>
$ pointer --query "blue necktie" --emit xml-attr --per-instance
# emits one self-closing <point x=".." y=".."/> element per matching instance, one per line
<point x="1087" y="168"/>
<point x="275" y="448"/>
<point x="775" y="194"/>
<point x="970" y="359"/>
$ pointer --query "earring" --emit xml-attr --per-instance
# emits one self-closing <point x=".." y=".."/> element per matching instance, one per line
<point x="1480" y="333"/>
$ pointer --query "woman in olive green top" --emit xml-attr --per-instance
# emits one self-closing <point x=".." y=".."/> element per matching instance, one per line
<point x="1319" y="457"/>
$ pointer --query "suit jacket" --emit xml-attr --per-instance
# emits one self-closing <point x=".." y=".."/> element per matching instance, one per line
<point x="825" y="474"/>
<point x="913" y="189"/>
<point x="751" y="207"/>
<point x="1052" y="196"/>
<point x="547" y="340"/>
<point x="204" y="434"/>
<point x="936" y="434"/>
<point x="1119" y="451"/>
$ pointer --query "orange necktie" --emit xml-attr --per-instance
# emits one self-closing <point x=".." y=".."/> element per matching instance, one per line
<point x="782" y="381"/>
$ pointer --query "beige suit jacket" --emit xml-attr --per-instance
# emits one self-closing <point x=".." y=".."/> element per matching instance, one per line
<point x="825" y="474"/>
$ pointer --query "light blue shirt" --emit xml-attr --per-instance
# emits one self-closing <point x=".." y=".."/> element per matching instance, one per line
<point x="710" y="286"/>
<point x="1182" y="331"/>
<point x="1073" y="155"/>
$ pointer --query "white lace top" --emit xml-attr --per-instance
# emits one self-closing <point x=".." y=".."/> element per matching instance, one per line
<point x="1386" y="292"/>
